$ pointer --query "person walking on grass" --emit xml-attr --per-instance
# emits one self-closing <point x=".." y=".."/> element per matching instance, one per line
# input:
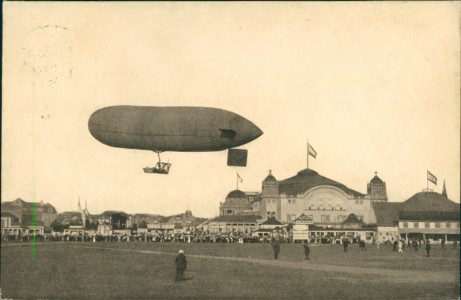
<point x="181" y="265"/>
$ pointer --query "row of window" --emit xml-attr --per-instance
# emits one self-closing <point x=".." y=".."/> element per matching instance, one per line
<point x="327" y="208"/>
<point x="293" y="201"/>
<point x="323" y="218"/>
<point x="436" y="225"/>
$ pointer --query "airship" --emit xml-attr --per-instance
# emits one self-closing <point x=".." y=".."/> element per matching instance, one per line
<point x="173" y="128"/>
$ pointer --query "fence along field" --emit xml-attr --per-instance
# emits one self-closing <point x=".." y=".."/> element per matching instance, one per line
<point x="219" y="271"/>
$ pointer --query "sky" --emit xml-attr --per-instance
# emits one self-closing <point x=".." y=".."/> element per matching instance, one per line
<point x="374" y="87"/>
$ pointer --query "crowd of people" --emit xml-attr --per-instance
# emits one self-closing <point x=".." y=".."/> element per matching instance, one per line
<point x="398" y="245"/>
<point x="158" y="237"/>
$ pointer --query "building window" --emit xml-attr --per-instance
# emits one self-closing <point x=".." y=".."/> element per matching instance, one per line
<point x="289" y="201"/>
<point x="322" y="218"/>
<point x="427" y="225"/>
<point x="437" y="225"/>
<point x="416" y="225"/>
<point x="356" y="201"/>
<point x="274" y="200"/>
<point x="293" y="201"/>
<point x="405" y="225"/>
<point x="457" y="225"/>
<point x="268" y="200"/>
<point x="448" y="225"/>
<point x="327" y="218"/>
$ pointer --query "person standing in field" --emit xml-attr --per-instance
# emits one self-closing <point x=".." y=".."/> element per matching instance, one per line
<point x="276" y="247"/>
<point x="363" y="245"/>
<point x="345" y="244"/>
<point x="428" y="248"/>
<point x="415" y="245"/>
<point x="400" y="246"/>
<point x="181" y="265"/>
<point x="307" y="250"/>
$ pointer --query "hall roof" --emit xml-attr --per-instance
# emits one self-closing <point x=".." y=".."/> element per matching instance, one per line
<point x="387" y="213"/>
<point x="9" y="215"/>
<point x="307" y="179"/>
<point x="429" y="202"/>
<point x="271" y="221"/>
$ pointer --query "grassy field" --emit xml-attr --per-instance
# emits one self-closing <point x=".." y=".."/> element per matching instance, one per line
<point x="225" y="271"/>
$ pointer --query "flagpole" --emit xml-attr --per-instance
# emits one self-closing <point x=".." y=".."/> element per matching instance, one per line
<point x="427" y="180"/>
<point x="307" y="153"/>
<point x="237" y="180"/>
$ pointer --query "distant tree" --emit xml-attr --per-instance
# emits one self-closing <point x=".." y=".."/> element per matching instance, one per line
<point x="143" y="224"/>
<point x="91" y="225"/>
<point x="58" y="226"/>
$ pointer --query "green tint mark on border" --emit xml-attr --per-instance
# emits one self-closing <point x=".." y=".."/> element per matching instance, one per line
<point x="34" y="225"/>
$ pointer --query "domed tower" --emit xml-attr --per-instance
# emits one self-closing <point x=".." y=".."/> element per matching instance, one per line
<point x="376" y="189"/>
<point x="236" y="202"/>
<point x="270" y="202"/>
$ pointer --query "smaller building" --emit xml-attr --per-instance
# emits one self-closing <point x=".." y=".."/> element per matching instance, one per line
<point x="10" y="224"/>
<point x="429" y="215"/>
<point x="386" y="216"/>
<point x="244" y="224"/>
<point x="300" y="230"/>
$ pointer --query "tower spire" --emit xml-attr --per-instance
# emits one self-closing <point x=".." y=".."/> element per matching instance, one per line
<point x="444" y="190"/>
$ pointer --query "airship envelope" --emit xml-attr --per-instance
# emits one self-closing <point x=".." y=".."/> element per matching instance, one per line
<point x="169" y="128"/>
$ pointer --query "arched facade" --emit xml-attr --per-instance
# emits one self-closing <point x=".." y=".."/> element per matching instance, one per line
<point x="325" y="205"/>
<point x="325" y="201"/>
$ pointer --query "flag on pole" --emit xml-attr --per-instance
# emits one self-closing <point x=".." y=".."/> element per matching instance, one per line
<point x="431" y="177"/>
<point x="239" y="178"/>
<point x="311" y="151"/>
